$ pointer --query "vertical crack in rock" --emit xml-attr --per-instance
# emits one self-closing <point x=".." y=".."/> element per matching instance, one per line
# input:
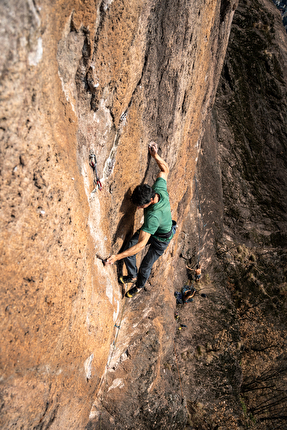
<point x="90" y="79"/>
<point x="74" y="53"/>
<point x="225" y="6"/>
<point x="111" y="160"/>
<point x="88" y="366"/>
<point x="68" y="56"/>
<point x="35" y="55"/>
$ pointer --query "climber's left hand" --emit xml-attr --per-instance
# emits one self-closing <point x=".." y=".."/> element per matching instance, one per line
<point x="111" y="260"/>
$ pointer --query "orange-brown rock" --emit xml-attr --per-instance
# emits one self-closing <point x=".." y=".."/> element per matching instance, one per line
<point x="249" y="124"/>
<point x="103" y="76"/>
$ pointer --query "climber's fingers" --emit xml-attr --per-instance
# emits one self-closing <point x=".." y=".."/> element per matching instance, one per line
<point x="153" y="148"/>
<point x="111" y="260"/>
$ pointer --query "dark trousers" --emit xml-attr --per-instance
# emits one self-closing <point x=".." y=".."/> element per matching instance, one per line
<point x="156" y="249"/>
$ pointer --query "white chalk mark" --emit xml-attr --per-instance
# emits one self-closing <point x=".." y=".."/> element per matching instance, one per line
<point x="88" y="366"/>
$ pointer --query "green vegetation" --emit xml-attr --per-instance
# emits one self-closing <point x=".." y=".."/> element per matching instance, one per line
<point x="243" y="405"/>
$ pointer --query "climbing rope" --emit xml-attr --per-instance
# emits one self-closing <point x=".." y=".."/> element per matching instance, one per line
<point x="117" y="333"/>
<point x="110" y="357"/>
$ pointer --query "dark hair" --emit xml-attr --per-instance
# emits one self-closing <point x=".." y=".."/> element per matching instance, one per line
<point x="142" y="195"/>
<point x="188" y="294"/>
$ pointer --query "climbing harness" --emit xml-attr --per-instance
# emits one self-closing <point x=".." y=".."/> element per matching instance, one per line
<point x="93" y="164"/>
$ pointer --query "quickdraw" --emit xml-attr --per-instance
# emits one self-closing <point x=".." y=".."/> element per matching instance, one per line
<point x="93" y="164"/>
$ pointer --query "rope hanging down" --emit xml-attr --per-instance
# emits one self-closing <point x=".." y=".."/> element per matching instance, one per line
<point x="118" y="330"/>
<point x="104" y="381"/>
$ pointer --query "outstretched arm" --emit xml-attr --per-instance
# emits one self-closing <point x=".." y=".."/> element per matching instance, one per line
<point x="164" y="169"/>
<point x="143" y="240"/>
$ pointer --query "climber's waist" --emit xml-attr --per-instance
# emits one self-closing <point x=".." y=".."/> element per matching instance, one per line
<point x="168" y="234"/>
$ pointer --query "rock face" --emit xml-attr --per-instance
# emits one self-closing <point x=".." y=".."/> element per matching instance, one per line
<point x="101" y="76"/>
<point x="106" y="77"/>
<point x="248" y="124"/>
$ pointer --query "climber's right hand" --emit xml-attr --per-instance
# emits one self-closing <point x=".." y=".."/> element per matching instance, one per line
<point x="152" y="147"/>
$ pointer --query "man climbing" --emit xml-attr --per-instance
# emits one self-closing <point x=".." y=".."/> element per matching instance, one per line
<point x="197" y="272"/>
<point x="156" y="231"/>
<point x="185" y="295"/>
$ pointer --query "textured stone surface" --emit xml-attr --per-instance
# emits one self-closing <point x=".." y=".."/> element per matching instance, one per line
<point x="106" y="76"/>
<point x="247" y="137"/>
<point x="109" y="76"/>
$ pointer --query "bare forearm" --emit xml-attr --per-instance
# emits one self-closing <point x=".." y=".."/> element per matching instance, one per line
<point x="131" y="251"/>
<point x="143" y="240"/>
<point x="161" y="163"/>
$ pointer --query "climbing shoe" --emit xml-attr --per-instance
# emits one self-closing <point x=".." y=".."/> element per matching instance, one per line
<point x="126" y="280"/>
<point x="133" y="292"/>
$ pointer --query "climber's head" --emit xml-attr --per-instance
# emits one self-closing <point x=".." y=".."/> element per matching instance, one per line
<point x="143" y="196"/>
<point x="188" y="295"/>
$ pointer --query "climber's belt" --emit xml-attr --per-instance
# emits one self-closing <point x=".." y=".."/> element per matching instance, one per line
<point x="167" y="235"/>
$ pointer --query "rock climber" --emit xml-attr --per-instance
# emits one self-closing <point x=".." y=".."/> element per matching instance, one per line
<point x="197" y="272"/>
<point x="156" y="231"/>
<point x="185" y="296"/>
